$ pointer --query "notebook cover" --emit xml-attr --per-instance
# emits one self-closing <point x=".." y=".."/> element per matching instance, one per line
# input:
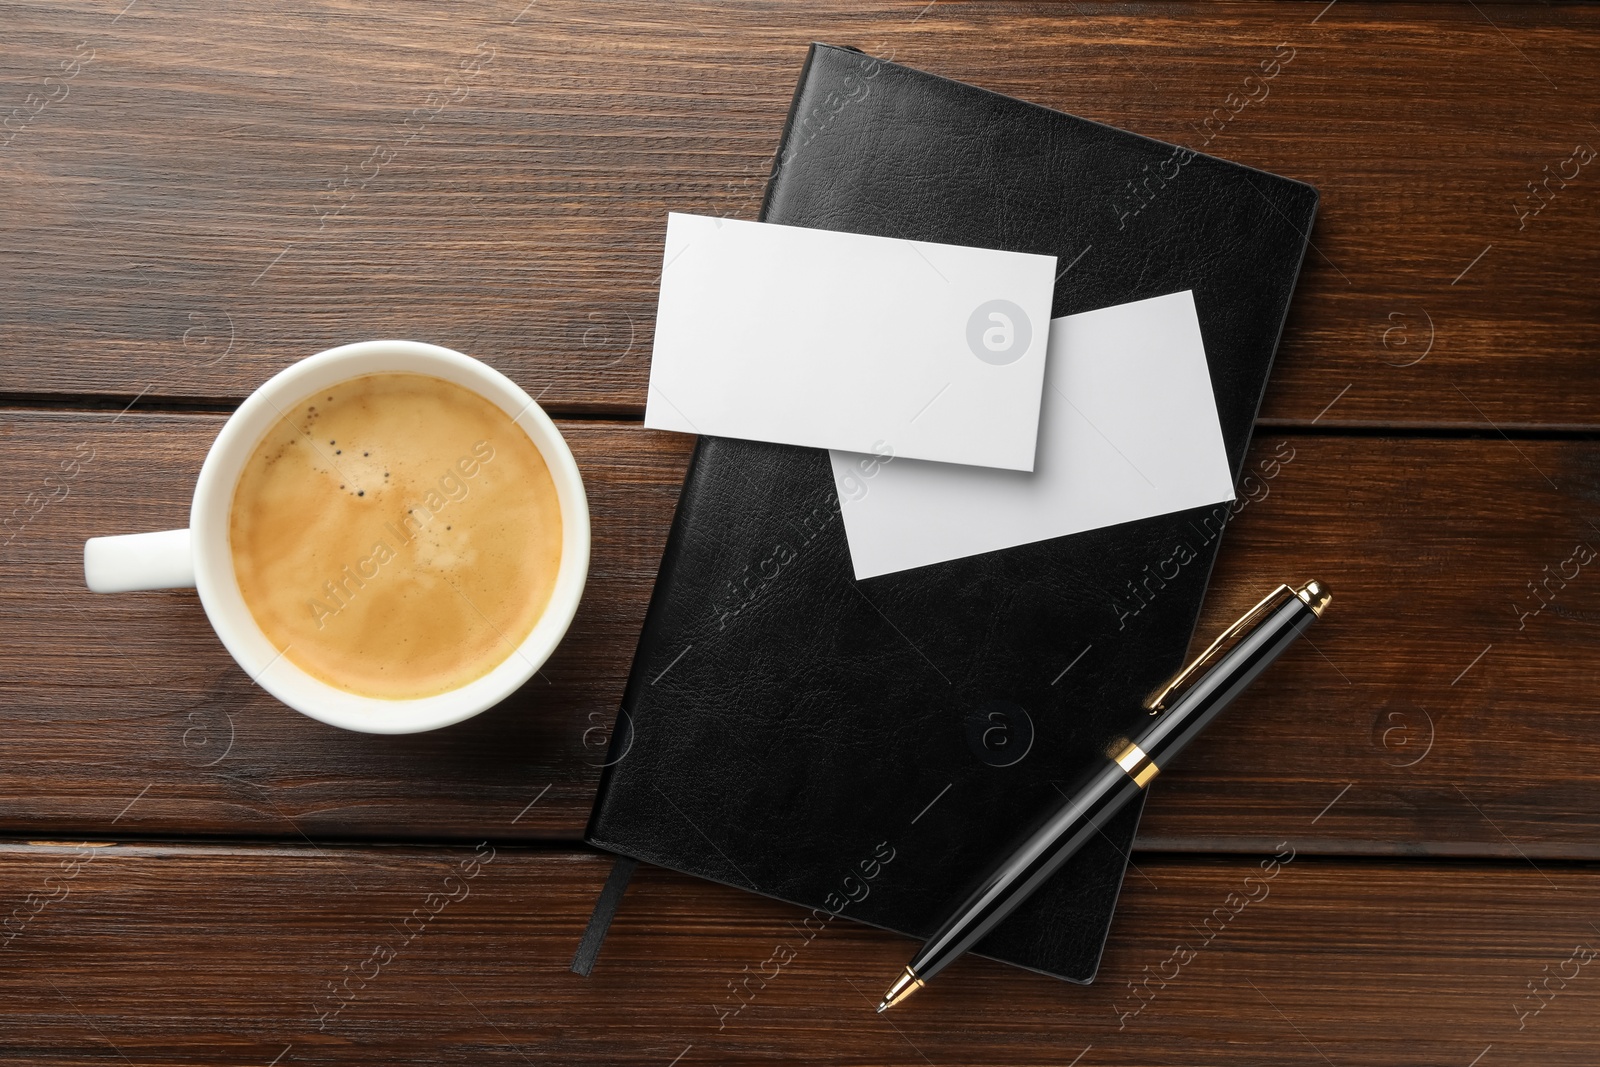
<point x="862" y="748"/>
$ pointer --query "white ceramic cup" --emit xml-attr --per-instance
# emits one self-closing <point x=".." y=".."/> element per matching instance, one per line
<point x="201" y="558"/>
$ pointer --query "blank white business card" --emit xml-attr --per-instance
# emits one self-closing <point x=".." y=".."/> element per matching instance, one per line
<point x="841" y="340"/>
<point x="1128" y="429"/>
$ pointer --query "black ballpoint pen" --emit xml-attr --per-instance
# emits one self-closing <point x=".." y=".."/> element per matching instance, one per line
<point x="1184" y="707"/>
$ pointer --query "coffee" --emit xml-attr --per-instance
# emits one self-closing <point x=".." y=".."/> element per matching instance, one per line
<point x="396" y="535"/>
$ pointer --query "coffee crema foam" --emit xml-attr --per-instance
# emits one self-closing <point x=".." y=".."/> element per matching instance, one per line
<point x="396" y="535"/>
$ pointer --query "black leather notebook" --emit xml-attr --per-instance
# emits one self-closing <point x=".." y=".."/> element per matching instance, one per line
<point x="862" y="748"/>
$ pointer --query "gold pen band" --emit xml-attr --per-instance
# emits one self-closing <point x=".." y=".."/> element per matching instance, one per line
<point x="1136" y="764"/>
<point x="1315" y="595"/>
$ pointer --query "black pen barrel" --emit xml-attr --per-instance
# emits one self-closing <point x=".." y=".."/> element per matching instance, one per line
<point x="1107" y="787"/>
<point x="1111" y="783"/>
<point x="1088" y="805"/>
<point x="1209" y="695"/>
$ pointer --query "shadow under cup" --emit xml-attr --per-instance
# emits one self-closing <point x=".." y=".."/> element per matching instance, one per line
<point x="232" y="618"/>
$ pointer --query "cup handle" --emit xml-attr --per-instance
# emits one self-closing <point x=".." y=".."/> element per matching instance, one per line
<point x="160" y="560"/>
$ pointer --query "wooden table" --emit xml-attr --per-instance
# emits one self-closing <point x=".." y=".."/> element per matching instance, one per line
<point x="193" y="200"/>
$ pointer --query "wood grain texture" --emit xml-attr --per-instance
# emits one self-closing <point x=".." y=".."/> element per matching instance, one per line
<point x="1453" y="681"/>
<point x="109" y="695"/>
<point x="198" y="196"/>
<point x="1458" y="724"/>
<point x="180" y="955"/>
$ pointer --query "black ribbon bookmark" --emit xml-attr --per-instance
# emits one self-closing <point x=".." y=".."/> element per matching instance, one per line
<point x="605" y="909"/>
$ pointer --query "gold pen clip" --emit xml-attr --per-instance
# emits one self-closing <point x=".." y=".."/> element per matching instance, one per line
<point x="1156" y="702"/>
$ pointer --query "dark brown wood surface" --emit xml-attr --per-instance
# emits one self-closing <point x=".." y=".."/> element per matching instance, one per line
<point x="1430" y="693"/>
<point x="458" y="955"/>
<point x="194" y="196"/>
<point x="203" y="206"/>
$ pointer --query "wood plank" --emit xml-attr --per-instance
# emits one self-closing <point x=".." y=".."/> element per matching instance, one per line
<point x="1449" y="695"/>
<point x="187" y="220"/>
<point x="110" y="694"/>
<point x="1429" y="546"/>
<point x="177" y="954"/>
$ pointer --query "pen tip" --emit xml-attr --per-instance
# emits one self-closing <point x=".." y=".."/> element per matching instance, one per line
<point x="905" y="985"/>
